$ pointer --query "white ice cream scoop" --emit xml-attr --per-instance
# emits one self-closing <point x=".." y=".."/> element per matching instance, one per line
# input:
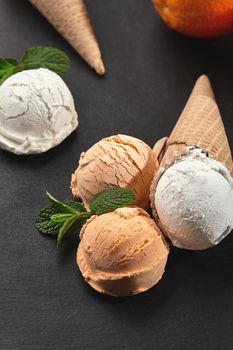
<point x="192" y="191"/>
<point x="37" y="112"/>
<point x="194" y="201"/>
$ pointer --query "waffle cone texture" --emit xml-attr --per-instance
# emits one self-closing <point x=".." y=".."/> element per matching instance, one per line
<point x="199" y="126"/>
<point x="71" y="20"/>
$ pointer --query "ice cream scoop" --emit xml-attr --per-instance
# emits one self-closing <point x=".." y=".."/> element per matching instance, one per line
<point x="122" y="253"/>
<point x="192" y="191"/>
<point x="194" y="201"/>
<point x="37" y="112"/>
<point x="116" y="161"/>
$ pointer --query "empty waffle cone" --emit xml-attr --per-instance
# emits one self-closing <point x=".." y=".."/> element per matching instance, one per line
<point x="71" y="20"/>
<point x="200" y="125"/>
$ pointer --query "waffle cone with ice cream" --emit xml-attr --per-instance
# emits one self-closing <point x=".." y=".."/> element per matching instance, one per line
<point x="70" y="18"/>
<point x="198" y="137"/>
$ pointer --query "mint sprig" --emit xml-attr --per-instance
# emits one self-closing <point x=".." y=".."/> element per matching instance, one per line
<point x="45" y="224"/>
<point x="7" y="68"/>
<point x="62" y="217"/>
<point x="110" y="200"/>
<point x="62" y="207"/>
<point x="46" y="57"/>
<point x="65" y="228"/>
<point x="33" y="58"/>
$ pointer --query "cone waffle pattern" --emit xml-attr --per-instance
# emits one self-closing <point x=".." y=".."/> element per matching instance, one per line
<point x="71" y="20"/>
<point x="200" y="125"/>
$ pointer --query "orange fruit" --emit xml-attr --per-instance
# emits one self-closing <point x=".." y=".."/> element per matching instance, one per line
<point x="197" y="18"/>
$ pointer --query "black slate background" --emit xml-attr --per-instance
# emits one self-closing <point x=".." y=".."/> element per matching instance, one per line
<point x="45" y="304"/>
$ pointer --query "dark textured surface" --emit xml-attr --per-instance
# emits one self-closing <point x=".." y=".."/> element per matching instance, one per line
<point x="45" y="304"/>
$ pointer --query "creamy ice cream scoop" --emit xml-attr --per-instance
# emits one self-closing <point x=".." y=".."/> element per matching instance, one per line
<point x="116" y="161"/>
<point x="194" y="201"/>
<point x="122" y="253"/>
<point x="37" y="112"/>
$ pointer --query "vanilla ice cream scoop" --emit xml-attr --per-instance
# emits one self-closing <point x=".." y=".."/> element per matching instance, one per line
<point x="194" y="201"/>
<point x="37" y="112"/>
<point x="116" y="161"/>
<point x="122" y="253"/>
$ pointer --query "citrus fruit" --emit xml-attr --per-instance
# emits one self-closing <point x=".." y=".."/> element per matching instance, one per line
<point x="197" y="18"/>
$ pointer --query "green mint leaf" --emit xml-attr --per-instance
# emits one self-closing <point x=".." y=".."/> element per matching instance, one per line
<point x="65" y="228"/>
<point x="6" y="69"/>
<point x="72" y="224"/>
<point x="33" y="58"/>
<point x="8" y="66"/>
<point x="46" y="57"/>
<point x="59" y="217"/>
<point x="11" y="61"/>
<point x="111" y="199"/>
<point x="81" y="220"/>
<point x="44" y="224"/>
<point x="6" y="75"/>
<point x="61" y="206"/>
<point x="4" y="66"/>
<point x="76" y="206"/>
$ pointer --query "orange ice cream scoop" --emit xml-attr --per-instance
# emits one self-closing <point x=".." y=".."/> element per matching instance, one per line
<point x="116" y="161"/>
<point x="122" y="253"/>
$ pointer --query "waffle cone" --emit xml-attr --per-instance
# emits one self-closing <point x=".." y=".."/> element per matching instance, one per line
<point x="71" y="20"/>
<point x="200" y="125"/>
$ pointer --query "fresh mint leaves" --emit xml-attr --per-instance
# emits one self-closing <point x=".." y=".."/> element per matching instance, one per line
<point x="7" y="68"/>
<point x="110" y="200"/>
<point x="44" y="223"/>
<point x="33" y="58"/>
<point x="60" y="206"/>
<point x="46" y="57"/>
<point x="62" y="217"/>
<point x="5" y="65"/>
<point x="65" y="228"/>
